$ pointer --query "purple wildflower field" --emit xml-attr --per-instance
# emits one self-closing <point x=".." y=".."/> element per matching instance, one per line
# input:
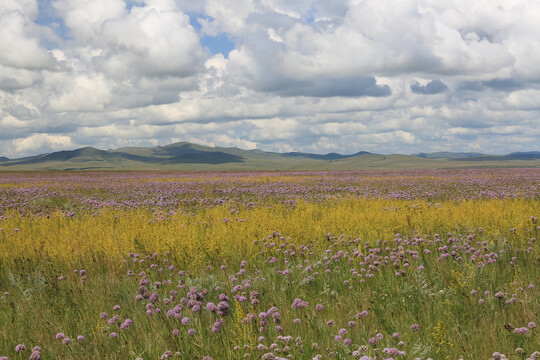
<point x="438" y="264"/>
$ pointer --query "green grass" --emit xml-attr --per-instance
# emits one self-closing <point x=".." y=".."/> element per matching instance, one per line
<point x="36" y="305"/>
<point x="367" y="162"/>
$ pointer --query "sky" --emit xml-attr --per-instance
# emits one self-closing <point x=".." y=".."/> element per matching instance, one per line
<point x="316" y="76"/>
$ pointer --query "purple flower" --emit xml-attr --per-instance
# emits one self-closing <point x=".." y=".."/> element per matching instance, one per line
<point x="20" y="348"/>
<point x="185" y="321"/>
<point x="297" y="321"/>
<point x="116" y="307"/>
<point x="373" y="341"/>
<point x="176" y="332"/>
<point x="212" y="307"/>
<point x="60" y="336"/>
<point x="191" y="332"/>
<point x="103" y="316"/>
<point x="415" y="327"/>
<point x="319" y="307"/>
<point x="80" y="338"/>
<point x="342" y="331"/>
<point x="337" y="338"/>
<point x="299" y="304"/>
<point x="395" y="335"/>
<point x="347" y="342"/>
<point x="520" y="331"/>
<point x="362" y="314"/>
<point x="223" y="307"/>
<point x="36" y="355"/>
<point x="394" y="352"/>
<point x="217" y="325"/>
<point x="499" y="295"/>
<point x="531" y="325"/>
<point x="66" y="341"/>
<point x="154" y="297"/>
<point x="113" y="335"/>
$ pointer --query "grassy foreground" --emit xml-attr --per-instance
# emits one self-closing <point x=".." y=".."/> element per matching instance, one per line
<point x="338" y="279"/>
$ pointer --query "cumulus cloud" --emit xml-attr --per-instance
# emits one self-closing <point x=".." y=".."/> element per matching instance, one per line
<point x="13" y="79"/>
<point x="21" y="53"/>
<point x="304" y="75"/>
<point x="41" y="143"/>
<point x="20" y="46"/>
<point x="347" y="87"/>
<point x="153" y="39"/>
<point x="503" y="84"/>
<point x="524" y="100"/>
<point x="79" y="92"/>
<point x="433" y="87"/>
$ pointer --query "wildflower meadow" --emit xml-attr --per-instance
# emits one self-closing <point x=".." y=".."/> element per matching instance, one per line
<point x="430" y="264"/>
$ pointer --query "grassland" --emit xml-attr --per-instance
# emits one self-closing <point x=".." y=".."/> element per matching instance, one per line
<point x="193" y="157"/>
<point x="370" y="265"/>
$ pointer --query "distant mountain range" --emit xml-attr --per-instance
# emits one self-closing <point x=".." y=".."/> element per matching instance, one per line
<point x="188" y="156"/>
<point x="471" y="156"/>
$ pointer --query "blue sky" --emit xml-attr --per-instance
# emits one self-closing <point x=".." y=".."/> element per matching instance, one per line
<point x="281" y="75"/>
<point x="218" y="44"/>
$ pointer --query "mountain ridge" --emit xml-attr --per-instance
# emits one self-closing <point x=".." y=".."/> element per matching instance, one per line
<point x="189" y="156"/>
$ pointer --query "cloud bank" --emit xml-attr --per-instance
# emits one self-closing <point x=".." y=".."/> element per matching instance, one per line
<point x="295" y="75"/>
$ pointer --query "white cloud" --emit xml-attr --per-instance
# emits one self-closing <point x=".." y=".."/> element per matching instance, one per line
<point x="222" y="140"/>
<point x="156" y="42"/>
<point x="153" y="39"/>
<point x="20" y="47"/>
<point x="305" y="75"/>
<point x="84" y="19"/>
<point x="41" y="143"/>
<point x="78" y="92"/>
<point x="28" y="7"/>
<point x="13" y="79"/>
<point x="228" y="16"/>
<point x="524" y="99"/>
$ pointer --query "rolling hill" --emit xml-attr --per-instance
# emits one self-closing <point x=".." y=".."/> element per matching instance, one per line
<point x="188" y="156"/>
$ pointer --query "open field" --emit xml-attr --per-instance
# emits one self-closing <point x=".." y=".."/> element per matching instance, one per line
<point x="439" y="264"/>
